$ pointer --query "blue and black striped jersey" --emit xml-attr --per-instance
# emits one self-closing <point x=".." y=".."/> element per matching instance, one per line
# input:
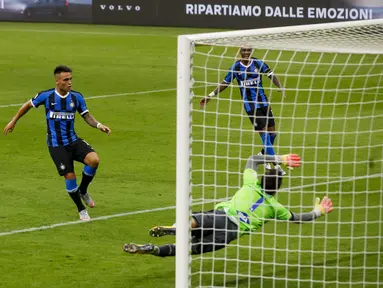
<point x="60" y="114"/>
<point x="249" y="79"/>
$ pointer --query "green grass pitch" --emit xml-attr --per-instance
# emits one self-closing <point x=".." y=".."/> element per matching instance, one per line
<point x="133" y="69"/>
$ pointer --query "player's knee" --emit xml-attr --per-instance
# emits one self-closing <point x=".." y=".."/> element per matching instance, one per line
<point x="70" y="176"/>
<point x="92" y="160"/>
<point x="96" y="161"/>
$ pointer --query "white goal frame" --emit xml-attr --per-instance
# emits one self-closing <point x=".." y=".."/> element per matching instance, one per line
<point x="184" y="102"/>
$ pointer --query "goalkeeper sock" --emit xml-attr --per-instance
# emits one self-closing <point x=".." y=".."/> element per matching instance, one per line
<point x="87" y="177"/>
<point x="72" y="189"/>
<point x="166" y="250"/>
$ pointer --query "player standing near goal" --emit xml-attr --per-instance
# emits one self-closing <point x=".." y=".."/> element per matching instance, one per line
<point x="248" y="72"/>
<point x="249" y="209"/>
<point x="61" y="104"/>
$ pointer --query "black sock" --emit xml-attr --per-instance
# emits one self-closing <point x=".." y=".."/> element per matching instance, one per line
<point x="86" y="179"/>
<point x="77" y="200"/>
<point x="167" y="250"/>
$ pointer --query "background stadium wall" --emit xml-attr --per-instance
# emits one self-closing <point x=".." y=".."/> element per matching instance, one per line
<point x="226" y="14"/>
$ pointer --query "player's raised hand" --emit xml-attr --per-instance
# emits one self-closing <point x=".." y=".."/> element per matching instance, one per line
<point x="9" y="128"/>
<point x="104" y="129"/>
<point x="204" y="101"/>
<point x="291" y="160"/>
<point x="323" y="207"/>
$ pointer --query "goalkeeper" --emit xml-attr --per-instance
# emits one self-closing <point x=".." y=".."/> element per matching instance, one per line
<point x="251" y="207"/>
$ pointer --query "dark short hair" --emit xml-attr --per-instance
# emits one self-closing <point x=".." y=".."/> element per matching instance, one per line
<point x="61" y="68"/>
<point x="271" y="181"/>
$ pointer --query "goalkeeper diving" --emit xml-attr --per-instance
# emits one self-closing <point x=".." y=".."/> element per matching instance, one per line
<point x="248" y="210"/>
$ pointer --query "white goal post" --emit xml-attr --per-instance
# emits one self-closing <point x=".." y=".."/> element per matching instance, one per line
<point x="332" y="116"/>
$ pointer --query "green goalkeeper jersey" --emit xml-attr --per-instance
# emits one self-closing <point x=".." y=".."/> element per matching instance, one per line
<point x="252" y="207"/>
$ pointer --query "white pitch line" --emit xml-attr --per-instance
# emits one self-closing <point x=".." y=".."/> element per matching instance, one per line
<point x="79" y="221"/>
<point x="107" y="96"/>
<point x="302" y="186"/>
<point x="136" y="93"/>
<point x="88" y="32"/>
<point x="164" y="208"/>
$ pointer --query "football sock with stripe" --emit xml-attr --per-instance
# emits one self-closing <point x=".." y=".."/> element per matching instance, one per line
<point x="87" y="177"/>
<point x="72" y="189"/>
<point x="272" y="140"/>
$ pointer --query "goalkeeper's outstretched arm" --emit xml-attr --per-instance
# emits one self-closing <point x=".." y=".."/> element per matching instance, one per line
<point x="291" y="160"/>
<point x="320" y="208"/>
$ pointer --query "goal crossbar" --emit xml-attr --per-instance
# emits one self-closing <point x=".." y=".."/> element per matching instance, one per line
<point x="275" y="38"/>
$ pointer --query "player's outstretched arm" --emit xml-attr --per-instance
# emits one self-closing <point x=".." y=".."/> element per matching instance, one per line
<point x="290" y="160"/>
<point x="222" y="86"/>
<point x="320" y="208"/>
<point x="22" y="111"/>
<point x="95" y="124"/>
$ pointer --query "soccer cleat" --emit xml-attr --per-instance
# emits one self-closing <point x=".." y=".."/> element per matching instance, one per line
<point x="280" y="170"/>
<point x="160" y="231"/>
<point x="84" y="216"/>
<point x="139" y="249"/>
<point x="88" y="200"/>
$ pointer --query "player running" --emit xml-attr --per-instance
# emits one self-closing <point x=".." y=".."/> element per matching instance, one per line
<point x="249" y="209"/>
<point x="65" y="147"/>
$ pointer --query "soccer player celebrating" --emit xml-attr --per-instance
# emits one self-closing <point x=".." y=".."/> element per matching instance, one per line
<point x="248" y="210"/>
<point x="65" y="147"/>
<point x="248" y="72"/>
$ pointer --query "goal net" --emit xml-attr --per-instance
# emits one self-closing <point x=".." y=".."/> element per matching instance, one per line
<point x="332" y="116"/>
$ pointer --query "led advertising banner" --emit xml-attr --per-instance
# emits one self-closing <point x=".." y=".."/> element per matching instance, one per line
<point x="240" y="14"/>
<point x="69" y="11"/>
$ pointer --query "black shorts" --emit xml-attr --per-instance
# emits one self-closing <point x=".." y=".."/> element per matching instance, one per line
<point x="214" y="231"/>
<point x="263" y="117"/>
<point x="64" y="156"/>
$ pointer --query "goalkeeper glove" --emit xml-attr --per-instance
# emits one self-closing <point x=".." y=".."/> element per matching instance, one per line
<point x="322" y="207"/>
<point x="291" y="160"/>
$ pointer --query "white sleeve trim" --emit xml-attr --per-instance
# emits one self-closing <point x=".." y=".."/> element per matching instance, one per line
<point x="33" y="104"/>
<point x="86" y="111"/>
<point x="226" y="81"/>
<point x="270" y="73"/>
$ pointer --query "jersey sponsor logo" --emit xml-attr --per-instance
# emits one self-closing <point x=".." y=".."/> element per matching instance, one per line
<point x="243" y="217"/>
<point x="250" y="82"/>
<point x="61" y="115"/>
